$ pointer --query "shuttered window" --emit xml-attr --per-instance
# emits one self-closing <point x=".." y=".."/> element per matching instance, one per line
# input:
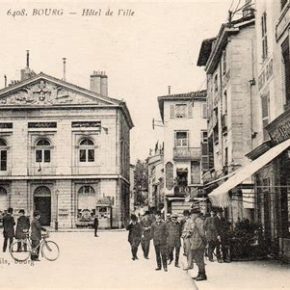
<point x="264" y="36"/>
<point x="286" y="70"/>
<point x="265" y="112"/>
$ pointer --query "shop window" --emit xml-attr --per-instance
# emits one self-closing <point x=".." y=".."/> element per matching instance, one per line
<point x="42" y="151"/>
<point x="181" y="139"/>
<point x="264" y="36"/>
<point x="3" y="155"/>
<point x="86" y="150"/>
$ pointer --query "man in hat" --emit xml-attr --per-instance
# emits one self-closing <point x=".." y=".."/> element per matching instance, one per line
<point x="96" y="225"/>
<point x="186" y="217"/>
<point x="197" y="243"/>
<point x="22" y="228"/>
<point x="159" y="233"/>
<point x="36" y="229"/>
<point x="173" y="241"/>
<point x="211" y="233"/>
<point x="8" y="228"/>
<point x="146" y="233"/>
<point x="134" y="237"/>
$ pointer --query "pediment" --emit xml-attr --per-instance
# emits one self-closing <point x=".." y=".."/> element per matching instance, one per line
<point x="46" y="91"/>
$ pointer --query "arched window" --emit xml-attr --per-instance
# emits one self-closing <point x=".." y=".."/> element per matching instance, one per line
<point x="87" y="150"/>
<point x="3" y="155"/>
<point x="42" y="152"/>
<point x="86" y="203"/>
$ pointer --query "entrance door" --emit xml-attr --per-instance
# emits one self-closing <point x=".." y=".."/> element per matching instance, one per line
<point x="42" y="203"/>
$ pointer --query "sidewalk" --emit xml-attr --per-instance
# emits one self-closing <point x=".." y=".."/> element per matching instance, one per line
<point x="247" y="275"/>
<point x="69" y="230"/>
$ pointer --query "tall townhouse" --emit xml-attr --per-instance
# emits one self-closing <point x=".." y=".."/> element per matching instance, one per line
<point x="185" y="130"/>
<point x="229" y="61"/>
<point x="64" y="151"/>
<point x="272" y="179"/>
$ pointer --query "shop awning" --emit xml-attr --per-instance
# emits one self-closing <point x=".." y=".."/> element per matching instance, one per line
<point x="220" y="197"/>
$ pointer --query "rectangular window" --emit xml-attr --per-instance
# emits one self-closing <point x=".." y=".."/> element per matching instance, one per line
<point x="38" y="155"/>
<point x="46" y="155"/>
<point x="224" y="62"/>
<point x="216" y="87"/>
<point x="3" y="165"/>
<point x="204" y="137"/>
<point x="204" y="111"/>
<point x="181" y="139"/>
<point x="91" y="155"/>
<point x="264" y="36"/>
<point x="83" y="155"/>
<point x="180" y="111"/>
<point x="286" y="62"/>
<point x="265" y="112"/>
<point x="195" y="172"/>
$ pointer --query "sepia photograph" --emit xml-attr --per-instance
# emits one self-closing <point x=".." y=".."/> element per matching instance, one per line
<point x="145" y="144"/>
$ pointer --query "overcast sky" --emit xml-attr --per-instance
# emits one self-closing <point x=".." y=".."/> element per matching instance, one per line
<point x="141" y="54"/>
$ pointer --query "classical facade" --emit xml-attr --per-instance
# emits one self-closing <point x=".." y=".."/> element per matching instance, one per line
<point x="229" y="61"/>
<point x="185" y="130"/>
<point x="64" y="151"/>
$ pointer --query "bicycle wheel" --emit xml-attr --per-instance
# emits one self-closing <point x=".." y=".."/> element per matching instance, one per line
<point x="20" y="250"/>
<point x="50" y="250"/>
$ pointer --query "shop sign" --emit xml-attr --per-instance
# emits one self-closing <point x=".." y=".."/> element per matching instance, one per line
<point x="266" y="74"/>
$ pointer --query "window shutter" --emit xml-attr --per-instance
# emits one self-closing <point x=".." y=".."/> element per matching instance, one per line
<point x="171" y="111"/>
<point x="190" y="105"/>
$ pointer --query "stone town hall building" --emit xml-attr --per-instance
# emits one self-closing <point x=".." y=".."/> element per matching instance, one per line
<point x="64" y="150"/>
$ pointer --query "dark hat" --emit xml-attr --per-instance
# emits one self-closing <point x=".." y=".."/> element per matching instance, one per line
<point x="147" y="212"/>
<point x="10" y="210"/>
<point x="186" y="212"/>
<point x="158" y="212"/>
<point x="134" y="217"/>
<point x="195" y="210"/>
<point x="219" y="209"/>
<point x="22" y="211"/>
<point x="36" y="213"/>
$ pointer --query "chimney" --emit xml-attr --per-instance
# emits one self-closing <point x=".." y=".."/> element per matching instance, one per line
<point x="169" y="90"/>
<point x="27" y="72"/>
<point x="27" y="58"/>
<point x="64" y="68"/>
<point x="95" y="82"/>
<point x="5" y="81"/>
<point x="99" y="83"/>
<point x="104" y="85"/>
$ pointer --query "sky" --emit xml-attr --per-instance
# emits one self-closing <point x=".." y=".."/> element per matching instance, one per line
<point x="142" y="54"/>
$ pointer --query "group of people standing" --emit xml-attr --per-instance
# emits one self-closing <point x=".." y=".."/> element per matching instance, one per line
<point x="200" y="235"/>
<point x="22" y="228"/>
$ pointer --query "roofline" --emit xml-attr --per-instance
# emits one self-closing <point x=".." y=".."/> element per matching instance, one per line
<point x="112" y="102"/>
<point x="180" y="97"/>
<point x="221" y="41"/>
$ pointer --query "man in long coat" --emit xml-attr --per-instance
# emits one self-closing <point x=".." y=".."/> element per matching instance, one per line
<point x="146" y="223"/>
<point x="22" y="227"/>
<point x="96" y="225"/>
<point x="173" y="240"/>
<point x="134" y="237"/>
<point x="8" y="228"/>
<point x="197" y="243"/>
<point x="211" y="234"/>
<point x="159" y="233"/>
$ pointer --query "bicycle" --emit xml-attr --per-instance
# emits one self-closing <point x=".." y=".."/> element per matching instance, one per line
<point x="21" y="250"/>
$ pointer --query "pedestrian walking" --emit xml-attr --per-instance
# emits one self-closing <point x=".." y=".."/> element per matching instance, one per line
<point x="146" y="223"/>
<point x="173" y="240"/>
<point x="222" y="250"/>
<point x="36" y="229"/>
<point x="197" y="244"/>
<point x="8" y="228"/>
<point x="186" y="216"/>
<point x="134" y="237"/>
<point x="96" y="225"/>
<point x="159" y="233"/>
<point x="22" y="228"/>
<point x="211" y="234"/>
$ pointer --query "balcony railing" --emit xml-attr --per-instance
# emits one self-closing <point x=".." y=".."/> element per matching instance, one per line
<point x="186" y="153"/>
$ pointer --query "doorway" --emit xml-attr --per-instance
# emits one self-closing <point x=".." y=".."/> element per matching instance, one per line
<point x="42" y="203"/>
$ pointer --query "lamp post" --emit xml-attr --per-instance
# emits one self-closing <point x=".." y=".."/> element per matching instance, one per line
<point x="56" y="218"/>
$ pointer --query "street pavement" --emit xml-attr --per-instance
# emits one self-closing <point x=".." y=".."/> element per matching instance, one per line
<point x="92" y="262"/>
<point x="105" y="262"/>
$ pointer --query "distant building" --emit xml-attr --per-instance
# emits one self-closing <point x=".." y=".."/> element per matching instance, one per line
<point x="185" y="126"/>
<point x="64" y="151"/>
<point x="230" y="65"/>
<point x="156" y="179"/>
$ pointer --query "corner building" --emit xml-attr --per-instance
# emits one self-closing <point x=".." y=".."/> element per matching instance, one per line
<point x="64" y="151"/>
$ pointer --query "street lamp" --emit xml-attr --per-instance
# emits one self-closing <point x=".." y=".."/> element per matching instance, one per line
<point x="56" y="219"/>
